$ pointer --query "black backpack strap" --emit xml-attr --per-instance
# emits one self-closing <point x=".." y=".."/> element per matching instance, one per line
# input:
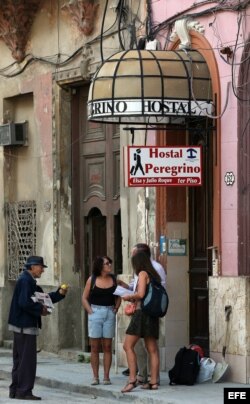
<point x="92" y="283"/>
<point x="152" y="279"/>
<point x="114" y="277"/>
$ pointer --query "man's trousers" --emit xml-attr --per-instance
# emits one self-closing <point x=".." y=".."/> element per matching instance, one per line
<point x="24" y="364"/>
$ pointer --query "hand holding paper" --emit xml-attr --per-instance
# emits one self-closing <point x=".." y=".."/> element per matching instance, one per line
<point x="120" y="291"/>
<point x="45" y="299"/>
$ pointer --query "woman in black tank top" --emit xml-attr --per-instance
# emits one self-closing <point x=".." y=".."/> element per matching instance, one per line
<point x="101" y="305"/>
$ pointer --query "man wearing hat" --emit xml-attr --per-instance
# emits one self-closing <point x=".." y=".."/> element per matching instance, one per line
<point x="25" y="321"/>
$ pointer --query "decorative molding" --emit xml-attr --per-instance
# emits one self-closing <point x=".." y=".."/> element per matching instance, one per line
<point x="94" y="180"/>
<point x="181" y="31"/>
<point x="87" y="58"/>
<point x="83" y="13"/>
<point x="16" y="19"/>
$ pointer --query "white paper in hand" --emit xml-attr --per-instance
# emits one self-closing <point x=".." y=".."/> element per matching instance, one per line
<point x="43" y="298"/>
<point x="120" y="291"/>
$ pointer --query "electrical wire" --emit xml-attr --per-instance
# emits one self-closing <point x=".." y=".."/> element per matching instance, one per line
<point x="244" y="131"/>
<point x="149" y="20"/>
<point x="183" y="14"/>
<point x="122" y="13"/>
<point x="120" y="9"/>
<point x="233" y="65"/>
<point x="243" y="179"/>
<point x="103" y="21"/>
<point x="43" y="60"/>
<point x="47" y="59"/>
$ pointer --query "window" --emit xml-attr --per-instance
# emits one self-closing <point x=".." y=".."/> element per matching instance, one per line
<point x="21" y="235"/>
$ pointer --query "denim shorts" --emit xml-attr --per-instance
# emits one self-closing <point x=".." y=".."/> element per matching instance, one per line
<point x="101" y="323"/>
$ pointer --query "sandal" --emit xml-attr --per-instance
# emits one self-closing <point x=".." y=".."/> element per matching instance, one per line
<point x="95" y="381"/>
<point x="106" y="382"/>
<point x="140" y="379"/>
<point x="150" y="386"/>
<point x="129" y="387"/>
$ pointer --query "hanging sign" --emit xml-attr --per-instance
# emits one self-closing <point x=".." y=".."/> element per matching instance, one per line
<point x="153" y="166"/>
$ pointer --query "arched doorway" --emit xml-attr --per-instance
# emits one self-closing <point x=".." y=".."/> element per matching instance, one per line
<point x="96" y="191"/>
<point x="196" y="210"/>
<point x="96" y="239"/>
<point x="95" y="229"/>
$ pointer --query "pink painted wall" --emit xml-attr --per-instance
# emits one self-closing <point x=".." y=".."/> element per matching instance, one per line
<point x="220" y="31"/>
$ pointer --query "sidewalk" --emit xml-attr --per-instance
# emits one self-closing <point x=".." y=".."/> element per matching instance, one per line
<point x="54" y="371"/>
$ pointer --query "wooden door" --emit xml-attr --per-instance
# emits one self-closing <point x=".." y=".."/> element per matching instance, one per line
<point x="171" y="207"/>
<point x="200" y="238"/>
<point x="96" y="186"/>
<point x="95" y="230"/>
<point x="95" y="191"/>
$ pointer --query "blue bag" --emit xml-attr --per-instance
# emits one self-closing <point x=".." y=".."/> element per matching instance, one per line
<point x="155" y="301"/>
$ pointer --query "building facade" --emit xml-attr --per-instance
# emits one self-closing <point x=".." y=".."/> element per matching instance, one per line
<point x="62" y="176"/>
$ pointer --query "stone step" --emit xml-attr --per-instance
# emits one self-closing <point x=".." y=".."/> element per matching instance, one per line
<point x="74" y="354"/>
<point x="69" y="354"/>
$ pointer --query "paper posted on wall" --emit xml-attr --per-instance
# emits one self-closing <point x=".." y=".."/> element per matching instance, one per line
<point x="43" y="298"/>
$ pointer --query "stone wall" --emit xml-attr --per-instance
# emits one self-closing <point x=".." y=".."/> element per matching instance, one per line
<point x="234" y="333"/>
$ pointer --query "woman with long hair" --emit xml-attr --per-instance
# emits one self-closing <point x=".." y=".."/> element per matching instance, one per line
<point x="101" y="305"/>
<point x="142" y="325"/>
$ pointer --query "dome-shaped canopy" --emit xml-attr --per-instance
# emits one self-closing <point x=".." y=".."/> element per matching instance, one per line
<point x="144" y="86"/>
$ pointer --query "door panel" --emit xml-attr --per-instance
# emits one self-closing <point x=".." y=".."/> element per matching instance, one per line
<point x="200" y="238"/>
<point x="95" y="191"/>
<point x="100" y="182"/>
<point x="95" y="230"/>
<point x="171" y="207"/>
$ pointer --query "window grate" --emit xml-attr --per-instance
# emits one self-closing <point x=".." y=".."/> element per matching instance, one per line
<point x="21" y="235"/>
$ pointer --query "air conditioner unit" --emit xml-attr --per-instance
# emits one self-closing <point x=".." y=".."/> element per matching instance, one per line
<point x="14" y="134"/>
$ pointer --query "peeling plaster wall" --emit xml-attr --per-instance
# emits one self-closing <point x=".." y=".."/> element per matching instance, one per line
<point x="41" y="170"/>
<point x="2" y="221"/>
<point x="235" y="292"/>
<point x="138" y="225"/>
<point x="28" y="169"/>
<point x="133" y="210"/>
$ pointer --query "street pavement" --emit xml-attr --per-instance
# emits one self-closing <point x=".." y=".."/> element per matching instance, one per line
<point x="68" y="381"/>
<point x="52" y="395"/>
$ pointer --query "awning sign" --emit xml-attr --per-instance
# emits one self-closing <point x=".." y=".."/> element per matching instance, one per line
<point x="153" y="166"/>
<point x="149" y="107"/>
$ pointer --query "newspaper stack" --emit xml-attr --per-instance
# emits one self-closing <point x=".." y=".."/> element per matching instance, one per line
<point x="43" y="298"/>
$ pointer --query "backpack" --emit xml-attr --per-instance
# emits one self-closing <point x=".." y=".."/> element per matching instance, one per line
<point x="186" y="367"/>
<point x="155" y="301"/>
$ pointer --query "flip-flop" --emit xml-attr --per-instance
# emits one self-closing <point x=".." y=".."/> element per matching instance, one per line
<point x="140" y="380"/>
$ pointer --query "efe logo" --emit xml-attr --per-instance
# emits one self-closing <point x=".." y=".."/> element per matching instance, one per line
<point x="236" y="395"/>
